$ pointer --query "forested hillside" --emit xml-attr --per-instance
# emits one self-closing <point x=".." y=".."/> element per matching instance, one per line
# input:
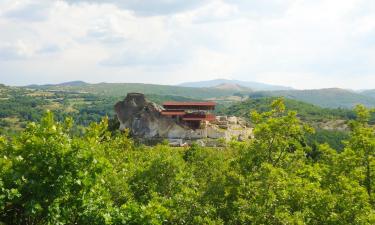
<point x="307" y="112"/>
<point x="51" y="175"/>
<point x="330" y="98"/>
<point x="330" y="124"/>
<point x="21" y="105"/>
<point x="120" y="90"/>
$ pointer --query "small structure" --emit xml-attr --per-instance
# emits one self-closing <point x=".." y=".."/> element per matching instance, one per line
<point x="192" y="114"/>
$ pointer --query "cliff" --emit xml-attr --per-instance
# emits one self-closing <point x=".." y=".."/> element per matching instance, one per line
<point x="144" y="120"/>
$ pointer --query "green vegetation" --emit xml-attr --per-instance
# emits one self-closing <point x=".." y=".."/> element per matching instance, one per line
<point x="120" y="90"/>
<point x="329" y="123"/>
<point x="330" y="98"/>
<point x="334" y="138"/>
<point x="307" y="112"/>
<point x="21" y="105"/>
<point x="52" y="175"/>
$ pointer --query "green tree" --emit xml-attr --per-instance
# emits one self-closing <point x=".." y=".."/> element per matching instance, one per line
<point x="360" y="148"/>
<point x="52" y="174"/>
<point x="54" y="177"/>
<point x="277" y="133"/>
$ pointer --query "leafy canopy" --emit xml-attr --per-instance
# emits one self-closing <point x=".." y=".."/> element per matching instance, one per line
<point x="50" y="174"/>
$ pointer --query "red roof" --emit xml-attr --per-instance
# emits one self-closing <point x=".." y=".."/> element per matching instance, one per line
<point x="189" y="104"/>
<point x="172" y="113"/>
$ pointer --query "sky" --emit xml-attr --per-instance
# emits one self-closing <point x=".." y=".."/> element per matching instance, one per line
<point x="304" y="44"/>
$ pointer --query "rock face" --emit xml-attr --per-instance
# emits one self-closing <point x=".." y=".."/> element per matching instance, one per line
<point x="144" y="120"/>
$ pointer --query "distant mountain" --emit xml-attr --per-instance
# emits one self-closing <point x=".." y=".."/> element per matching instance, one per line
<point x="73" y="83"/>
<point x="370" y="93"/>
<point x="232" y="86"/>
<point x="256" y="86"/>
<point x="331" y="97"/>
<point x="76" y="83"/>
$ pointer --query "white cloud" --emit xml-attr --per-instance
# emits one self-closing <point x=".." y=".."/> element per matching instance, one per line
<point x="300" y="43"/>
<point x="150" y="8"/>
<point x="15" y="51"/>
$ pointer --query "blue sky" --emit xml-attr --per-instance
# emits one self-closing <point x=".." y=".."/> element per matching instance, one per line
<point x="298" y="43"/>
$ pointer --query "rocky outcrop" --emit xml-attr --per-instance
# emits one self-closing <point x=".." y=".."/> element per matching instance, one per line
<point x="144" y="120"/>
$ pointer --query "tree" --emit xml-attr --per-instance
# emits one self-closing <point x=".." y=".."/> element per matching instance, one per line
<point x="52" y="174"/>
<point x="361" y="149"/>
<point x="277" y="133"/>
<point x="52" y="177"/>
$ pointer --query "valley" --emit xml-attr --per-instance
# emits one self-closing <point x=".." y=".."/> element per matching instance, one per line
<point x="326" y="110"/>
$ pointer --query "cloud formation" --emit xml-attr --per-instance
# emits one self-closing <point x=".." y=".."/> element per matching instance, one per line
<point x="15" y="51"/>
<point x="150" y="8"/>
<point x="300" y="43"/>
<point x="29" y="11"/>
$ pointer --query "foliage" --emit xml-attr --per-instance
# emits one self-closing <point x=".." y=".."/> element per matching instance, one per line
<point x="315" y="116"/>
<point x="307" y="112"/>
<point x="335" y="138"/>
<point x="50" y="174"/>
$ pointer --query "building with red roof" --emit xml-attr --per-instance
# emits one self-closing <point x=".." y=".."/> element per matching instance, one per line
<point x="192" y="114"/>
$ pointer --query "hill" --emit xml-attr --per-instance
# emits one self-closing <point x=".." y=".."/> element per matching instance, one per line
<point x="252" y="85"/>
<point x="76" y="83"/>
<point x="231" y="86"/>
<point x="73" y="83"/>
<point x="21" y="105"/>
<point x="331" y="97"/>
<point x="121" y="89"/>
<point x="370" y="93"/>
<point x="307" y="112"/>
<point x="219" y="89"/>
<point x="330" y="124"/>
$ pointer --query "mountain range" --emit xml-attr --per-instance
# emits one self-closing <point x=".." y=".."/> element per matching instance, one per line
<point x="329" y="98"/>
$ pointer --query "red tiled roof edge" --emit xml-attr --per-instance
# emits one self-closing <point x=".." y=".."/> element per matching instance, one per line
<point x="189" y="103"/>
